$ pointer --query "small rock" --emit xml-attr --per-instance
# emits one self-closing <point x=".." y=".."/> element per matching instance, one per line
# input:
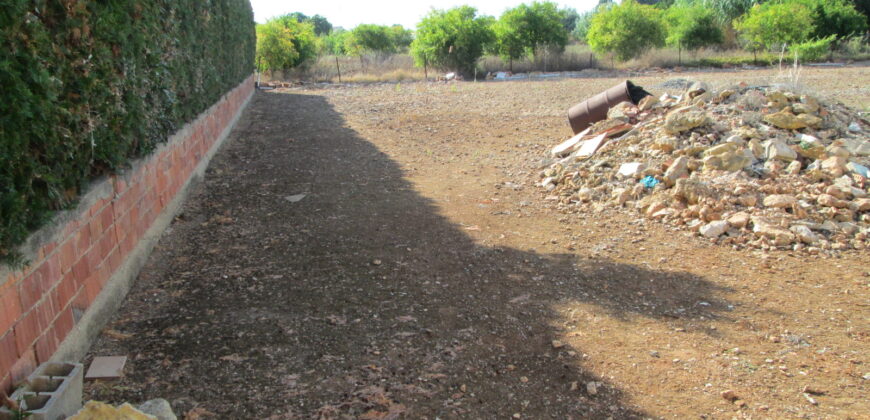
<point x="785" y="119"/>
<point x="768" y="228"/>
<point x="805" y="235"/>
<point x="685" y="119"/>
<point x="592" y="388"/>
<point x="558" y="344"/>
<point x="159" y="408"/>
<point x="647" y="103"/>
<point x="714" y="229"/>
<point x="631" y="169"/>
<point x="729" y="395"/>
<point x="776" y="149"/>
<point x="677" y="170"/>
<point x="739" y="219"/>
<point x="779" y="201"/>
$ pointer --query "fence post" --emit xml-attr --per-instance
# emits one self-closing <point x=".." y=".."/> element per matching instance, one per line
<point x="338" y="68"/>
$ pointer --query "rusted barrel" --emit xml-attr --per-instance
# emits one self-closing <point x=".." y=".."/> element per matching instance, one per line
<point x="595" y="108"/>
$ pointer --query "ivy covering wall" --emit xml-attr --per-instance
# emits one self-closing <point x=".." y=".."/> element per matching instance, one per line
<point x="89" y="85"/>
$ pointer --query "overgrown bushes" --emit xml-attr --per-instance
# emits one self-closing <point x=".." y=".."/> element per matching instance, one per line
<point x="89" y="85"/>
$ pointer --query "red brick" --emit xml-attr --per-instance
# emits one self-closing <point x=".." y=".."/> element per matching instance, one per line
<point x="64" y="323"/>
<point x="81" y="270"/>
<point x="25" y="365"/>
<point x="45" y="346"/>
<point x="105" y="245"/>
<point x="52" y="270"/>
<point x="107" y="217"/>
<point x="95" y="227"/>
<point x="94" y="260"/>
<point x="92" y="288"/>
<point x="8" y="352"/>
<point x="68" y="256"/>
<point x="10" y="310"/>
<point x="26" y="331"/>
<point x="115" y="259"/>
<point x="83" y="240"/>
<point x="128" y="244"/>
<point x="31" y="290"/>
<point x="81" y="301"/>
<point x="66" y="289"/>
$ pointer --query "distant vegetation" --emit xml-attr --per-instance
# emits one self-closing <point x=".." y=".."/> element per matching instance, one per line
<point x="457" y="39"/>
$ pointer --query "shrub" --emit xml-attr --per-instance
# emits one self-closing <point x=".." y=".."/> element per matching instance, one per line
<point x="691" y="27"/>
<point x="813" y="50"/>
<point x="775" y="23"/>
<point x="284" y="43"/>
<point x="452" y="39"/>
<point x="89" y="85"/>
<point x="626" y="30"/>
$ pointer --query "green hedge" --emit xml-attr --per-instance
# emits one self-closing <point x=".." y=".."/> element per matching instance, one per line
<point x="88" y="85"/>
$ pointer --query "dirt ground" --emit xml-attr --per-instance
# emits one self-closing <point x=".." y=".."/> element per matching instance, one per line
<point x="423" y="275"/>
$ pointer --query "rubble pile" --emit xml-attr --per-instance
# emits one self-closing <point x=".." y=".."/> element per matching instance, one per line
<point x="748" y="166"/>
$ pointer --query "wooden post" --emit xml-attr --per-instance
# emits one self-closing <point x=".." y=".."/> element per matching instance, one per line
<point x="426" y="68"/>
<point x="338" y="68"/>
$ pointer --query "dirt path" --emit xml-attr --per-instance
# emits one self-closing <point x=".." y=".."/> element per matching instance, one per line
<point x="423" y="276"/>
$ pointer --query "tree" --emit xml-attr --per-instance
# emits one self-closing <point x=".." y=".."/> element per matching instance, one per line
<point x="691" y="26"/>
<point x="569" y="19"/>
<point x="284" y="43"/>
<point x="775" y="23"/>
<point x="581" y="26"/>
<point x="368" y="38"/>
<point x="452" y="39"/>
<point x="508" y="42"/>
<point x="839" y="18"/>
<point x="526" y="29"/>
<point x="626" y="30"/>
<point x="401" y="37"/>
<point x="728" y="10"/>
<point x="321" y="25"/>
<point x="334" y="42"/>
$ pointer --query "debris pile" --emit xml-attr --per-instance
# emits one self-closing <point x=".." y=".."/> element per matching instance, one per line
<point x="750" y="167"/>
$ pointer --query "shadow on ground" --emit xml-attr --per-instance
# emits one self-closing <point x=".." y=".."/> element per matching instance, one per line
<point x="360" y="300"/>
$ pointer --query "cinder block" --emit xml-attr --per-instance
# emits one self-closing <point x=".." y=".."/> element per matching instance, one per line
<point x="52" y="392"/>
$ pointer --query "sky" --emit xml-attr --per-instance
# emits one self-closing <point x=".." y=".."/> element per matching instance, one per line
<point x="407" y="13"/>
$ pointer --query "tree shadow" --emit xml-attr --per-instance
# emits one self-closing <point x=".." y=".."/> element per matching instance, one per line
<point x="359" y="299"/>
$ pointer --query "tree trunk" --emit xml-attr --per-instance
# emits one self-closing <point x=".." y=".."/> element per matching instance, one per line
<point x="511" y="64"/>
<point x="426" y="68"/>
<point x="338" y="69"/>
<point x="680" y="53"/>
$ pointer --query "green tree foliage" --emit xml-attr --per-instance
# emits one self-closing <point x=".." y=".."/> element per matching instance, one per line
<point x="691" y="26"/>
<point x="728" y="10"/>
<point x="508" y="42"/>
<point x="284" y="43"/>
<point x="626" y="30"/>
<point x="321" y="25"/>
<point x="452" y="39"/>
<point x="584" y="21"/>
<point x="87" y="86"/>
<point x="368" y="38"/>
<point x="401" y="37"/>
<point x="835" y="17"/>
<point x="333" y="43"/>
<point x="569" y="19"/>
<point x="526" y="29"/>
<point x="813" y="50"/>
<point x="775" y="23"/>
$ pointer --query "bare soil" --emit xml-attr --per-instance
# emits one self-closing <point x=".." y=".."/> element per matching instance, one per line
<point x="423" y="275"/>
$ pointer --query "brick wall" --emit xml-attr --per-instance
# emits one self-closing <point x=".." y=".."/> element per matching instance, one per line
<point x="41" y="303"/>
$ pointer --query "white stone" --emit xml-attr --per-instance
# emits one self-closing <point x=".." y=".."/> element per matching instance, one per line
<point x="805" y="234"/>
<point x="631" y="169"/>
<point x="714" y="229"/>
<point x="589" y="147"/>
<point x="567" y="146"/>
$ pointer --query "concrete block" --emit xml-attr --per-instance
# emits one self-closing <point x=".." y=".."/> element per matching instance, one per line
<point x="107" y="367"/>
<point x="52" y="392"/>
